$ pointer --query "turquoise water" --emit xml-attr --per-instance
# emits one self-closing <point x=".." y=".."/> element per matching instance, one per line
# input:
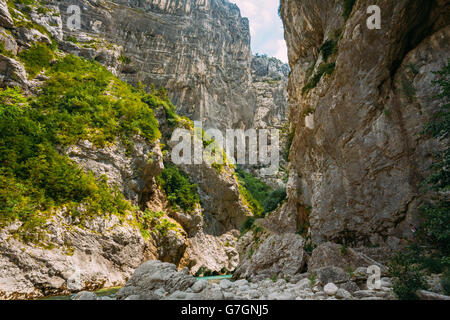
<point x="214" y="278"/>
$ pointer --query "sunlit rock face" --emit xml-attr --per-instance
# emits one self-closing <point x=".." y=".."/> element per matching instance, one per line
<point x="357" y="159"/>
<point x="198" y="49"/>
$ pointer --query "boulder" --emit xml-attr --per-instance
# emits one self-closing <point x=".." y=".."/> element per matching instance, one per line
<point x="9" y="43"/>
<point x="350" y="286"/>
<point x="332" y="274"/>
<point x="154" y="275"/>
<point x="5" y="18"/>
<point x="199" y="286"/>
<point x="12" y="73"/>
<point x="282" y="255"/>
<point x="85" y="295"/>
<point x="332" y="254"/>
<point x="427" y="295"/>
<point x="330" y="289"/>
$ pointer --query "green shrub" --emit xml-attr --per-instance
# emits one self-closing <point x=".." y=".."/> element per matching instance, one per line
<point x="155" y="221"/>
<point x="261" y="197"/>
<point x="248" y="223"/>
<point x="72" y="39"/>
<point x="36" y="58"/>
<point x="82" y="100"/>
<point x="178" y="188"/>
<point x="273" y="200"/>
<point x="124" y="60"/>
<point x="324" y="69"/>
<point x="5" y="52"/>
<point x="347" y="8"/>
<point x="408" y="278"/>
<point x="328" y="48"/>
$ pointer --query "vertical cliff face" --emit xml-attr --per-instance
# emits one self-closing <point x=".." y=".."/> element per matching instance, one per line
<point x="198" y="49"/>
<point x="269" y="76"/>
<point x="359" y="98"/>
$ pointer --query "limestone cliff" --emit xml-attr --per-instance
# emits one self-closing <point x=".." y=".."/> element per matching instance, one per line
<point x="104" y="251"/>
<point x="359" y="97"/>
<point x="198" y="49"/>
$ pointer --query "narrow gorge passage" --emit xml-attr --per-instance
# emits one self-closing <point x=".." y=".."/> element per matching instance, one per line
<point x="290" y="150"/>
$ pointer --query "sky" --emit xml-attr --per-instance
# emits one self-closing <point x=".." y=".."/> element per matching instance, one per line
<point x="266" y="27"/>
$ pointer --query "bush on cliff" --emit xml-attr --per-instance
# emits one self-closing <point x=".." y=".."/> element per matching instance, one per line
<point x="179" y="190"/>
<point x="262" y="197"/>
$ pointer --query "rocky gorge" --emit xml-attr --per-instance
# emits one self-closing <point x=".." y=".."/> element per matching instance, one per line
<point x="350" y="106"/>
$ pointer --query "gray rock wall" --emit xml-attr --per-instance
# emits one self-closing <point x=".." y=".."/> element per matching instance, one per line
<point x="357" y="159"/>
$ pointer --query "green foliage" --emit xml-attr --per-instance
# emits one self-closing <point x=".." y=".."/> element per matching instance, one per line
<point x="155" y="221"/>
<point x="124" y="60"/>
<point x="273" y="200"/>
<point x="72" y="39"/>
<point x="35" y="179"/>
<point x="324" y="69"/>
<point x="261" y="197"/>
<point x="414" y="69"/>
<point x="435" y="230"/>
<point x="82" y="100"/>
<point x="328" y="48"/>
<point x="247" y="225"/>
<point x="408" y="278"/>
<point x="5" y="52"/>
<point x="347" y="8"/>
<point x="178" y="188"/>
<point x="36" y="58"/>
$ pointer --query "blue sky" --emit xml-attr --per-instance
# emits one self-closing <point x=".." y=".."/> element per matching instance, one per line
<point x="266" y="27"/>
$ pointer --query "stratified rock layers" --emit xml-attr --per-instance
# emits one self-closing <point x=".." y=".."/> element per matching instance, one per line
<point x="357" y="158"/>
<point x="198" y="49"/>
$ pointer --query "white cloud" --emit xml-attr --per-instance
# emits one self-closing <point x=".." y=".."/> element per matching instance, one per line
<point x="266" y="28"/>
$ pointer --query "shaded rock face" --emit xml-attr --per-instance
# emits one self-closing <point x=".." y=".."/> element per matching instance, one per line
<point x="356" y="158"/>
<point x="132" y="174"/>
<point x="198" y="49"/>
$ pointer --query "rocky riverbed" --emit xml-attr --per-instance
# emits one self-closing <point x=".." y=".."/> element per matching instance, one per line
<point x="155" y="280"/>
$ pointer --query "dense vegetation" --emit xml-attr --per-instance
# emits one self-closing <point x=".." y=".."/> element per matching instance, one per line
<point x="156" y="222"/>
<point x="80" y="100"/>
<point x="430" y="250"/>
<point x="38" y="57"/>
<point x="261" y="196"/>
<point x="328" y="48"/>
<point x="178" y="188"/>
